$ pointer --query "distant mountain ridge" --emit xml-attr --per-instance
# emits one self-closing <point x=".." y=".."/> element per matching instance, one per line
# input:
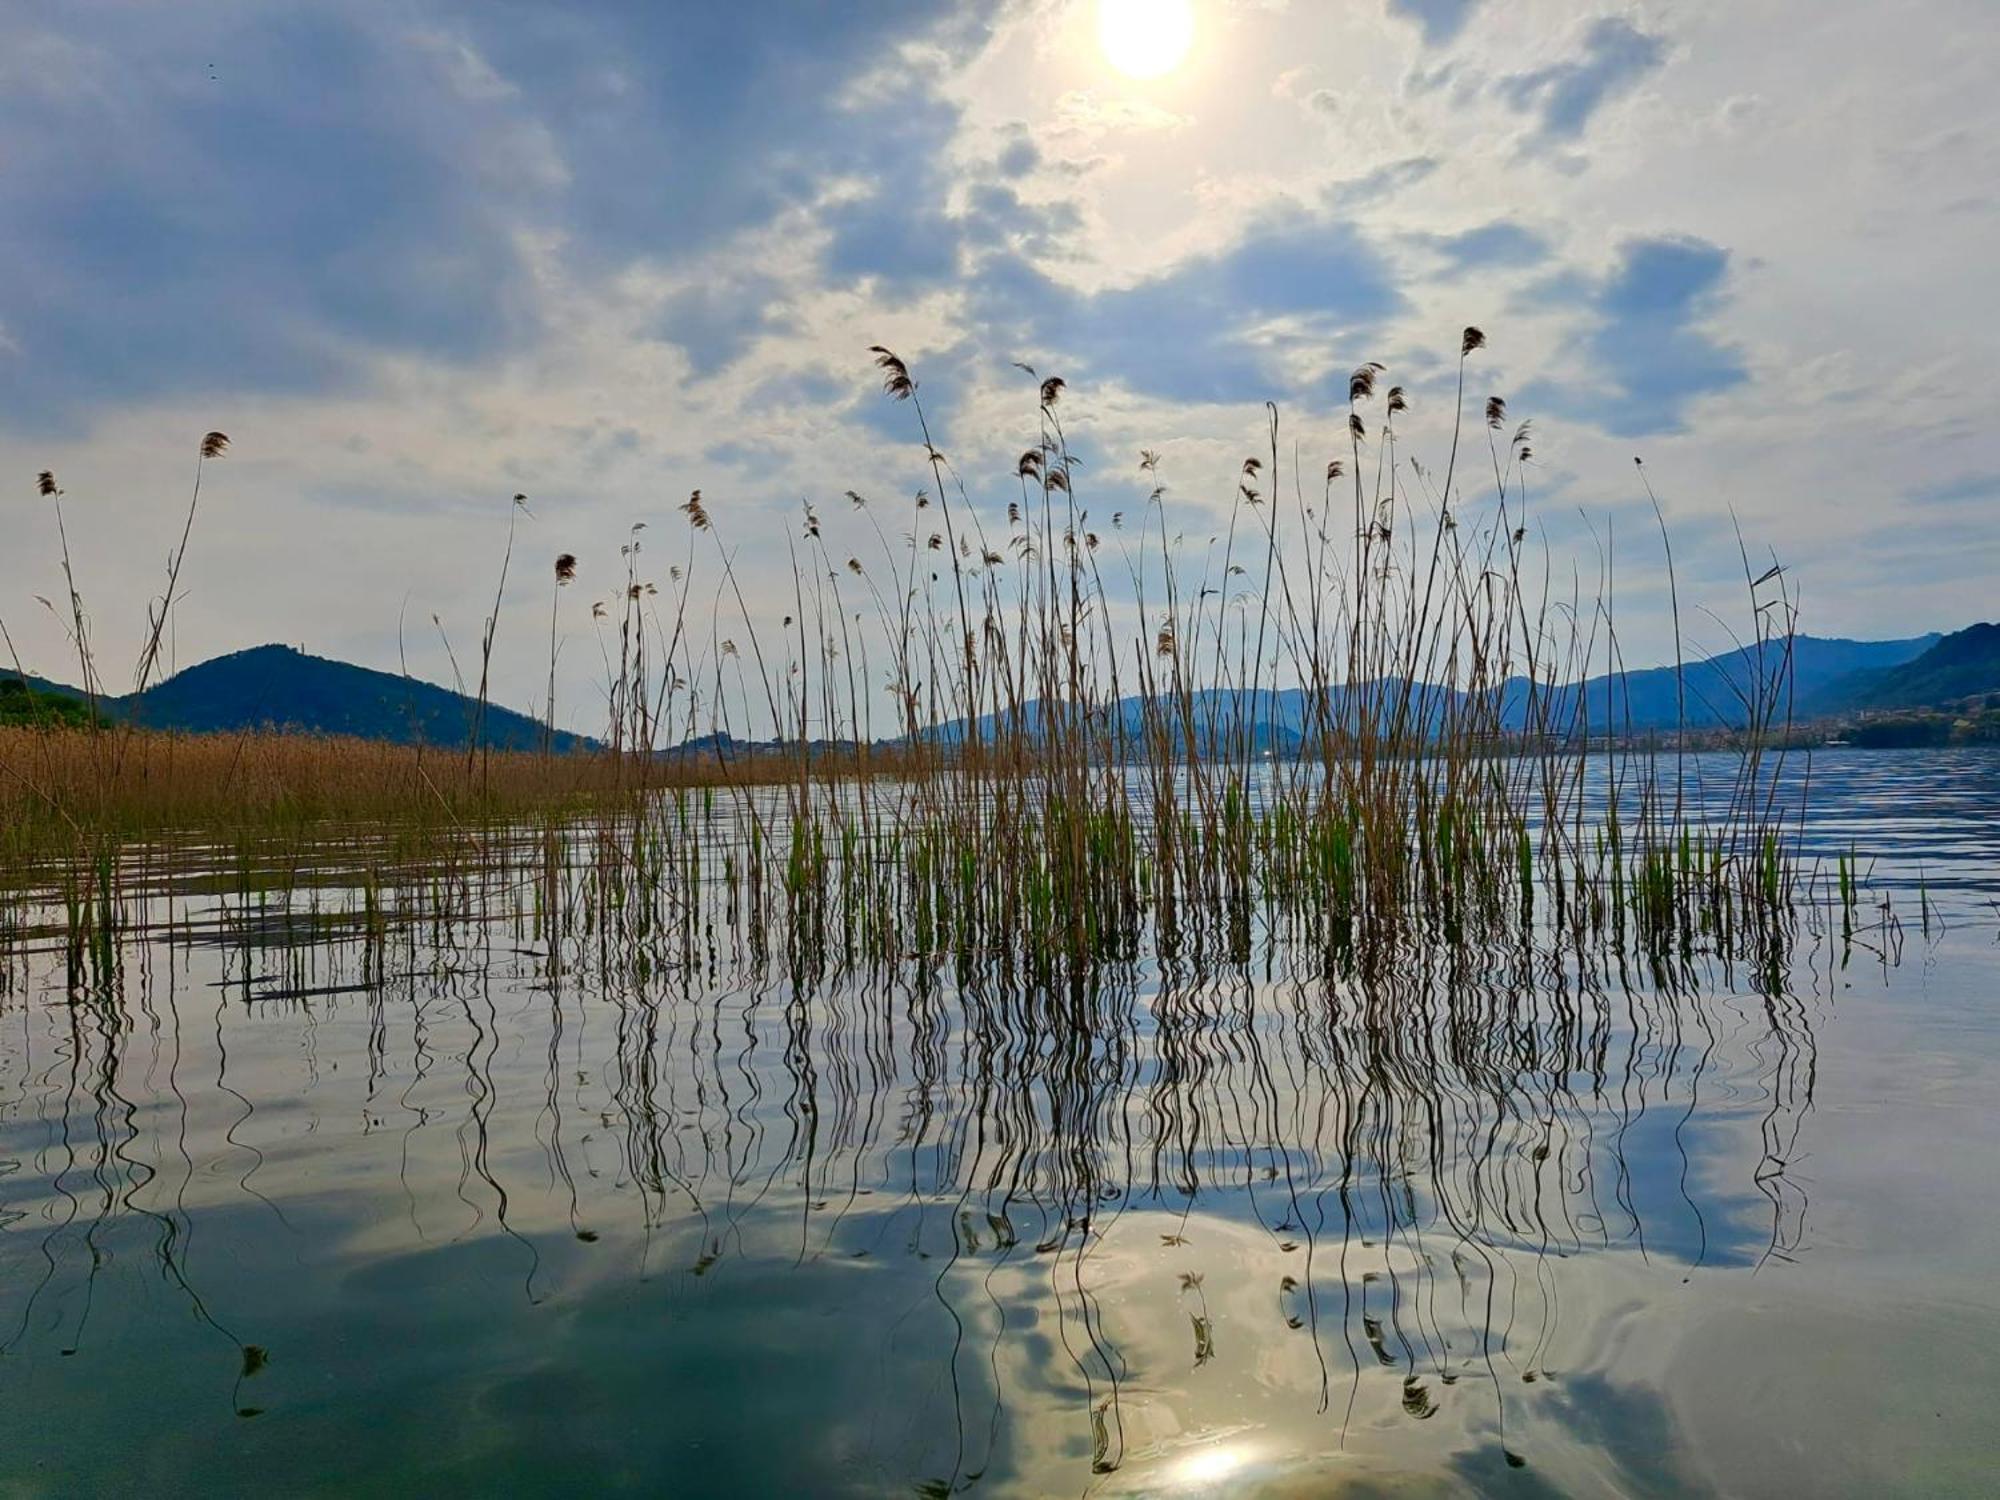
<point x="1716" y="690"/>
<point x="277" y="687"/>
<point x="1964" y="664"/>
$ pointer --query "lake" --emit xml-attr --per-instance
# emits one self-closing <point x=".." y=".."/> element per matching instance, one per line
<point x="289" y="1209"/>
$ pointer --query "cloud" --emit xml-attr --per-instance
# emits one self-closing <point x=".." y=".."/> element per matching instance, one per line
<point x="276" y="204"/>
<point x="688" y="123"/>
<point x="714" y="321"/>
<point x="499" y="240"/>
<point x="995" y="214"/>
<point x="1965" y="489"/>
<point x="1645" y="356"/>
<point x="1500" y="245"/>
<point x="882" y="237"/>
<point x="196" y="233"/>
<point x="1381" y="182"/>
<point x="1020" y="155"/>
<point x="1564" y="95"/>
<point x="1209" y="328"/>
<point x="1441" y="20"/>
<point x="1091" y="117"/>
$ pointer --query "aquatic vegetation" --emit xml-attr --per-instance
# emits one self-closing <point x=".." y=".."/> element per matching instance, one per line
<point x="1390" y="1192"/>
<point x="1353" y="723"/>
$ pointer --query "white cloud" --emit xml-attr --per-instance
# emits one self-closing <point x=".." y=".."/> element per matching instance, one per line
<point x="1838" y="159"/>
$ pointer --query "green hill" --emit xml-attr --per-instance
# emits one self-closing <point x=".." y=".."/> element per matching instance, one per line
<point x="276" y="687"/>
<point x="1961" y="665"/>
<point x="35" y="704"/>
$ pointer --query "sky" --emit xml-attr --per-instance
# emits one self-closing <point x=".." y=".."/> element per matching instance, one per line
<point x="415" y="258"/>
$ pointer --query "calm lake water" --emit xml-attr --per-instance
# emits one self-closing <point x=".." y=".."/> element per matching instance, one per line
<point x="276" y="1218"/>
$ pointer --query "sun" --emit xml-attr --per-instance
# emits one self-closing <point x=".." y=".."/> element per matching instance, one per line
<point x="1145" y="38"/>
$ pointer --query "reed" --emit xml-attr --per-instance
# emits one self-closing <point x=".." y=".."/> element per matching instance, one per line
<point x="1358" y="724"/>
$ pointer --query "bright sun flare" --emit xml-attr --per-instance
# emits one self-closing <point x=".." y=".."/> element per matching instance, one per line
<point x="1145" y="38"/>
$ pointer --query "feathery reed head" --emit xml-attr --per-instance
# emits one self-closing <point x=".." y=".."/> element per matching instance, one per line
<point x="214" y="444"/>
<point x="565" y="569"/>
<point x="1052" y="390"/>
<point x="897" y="383"/>
<point x="1334" y="470"/>
<point x="1472" y="339"/>
<point x="1030" y="466"/>
<point x="45" y="483"/>
<point x="1496" y="411"/>
<point x="696" y="513"/>
<point x="1361" y="384"/>
<point x="1397" y="401"/>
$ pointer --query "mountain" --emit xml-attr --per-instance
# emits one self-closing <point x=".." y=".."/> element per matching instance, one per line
<point x="1716" y="690"/>
<point x="277" y="687"/>
<point x="1960" y="665"/>
<point x="29" y="703"/>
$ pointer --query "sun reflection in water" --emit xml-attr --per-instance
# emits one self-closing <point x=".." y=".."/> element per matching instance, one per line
<point x="1211" y="1466"/>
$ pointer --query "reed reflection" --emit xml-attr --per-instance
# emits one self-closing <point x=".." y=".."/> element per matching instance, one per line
<point x="1095" y="1209"/>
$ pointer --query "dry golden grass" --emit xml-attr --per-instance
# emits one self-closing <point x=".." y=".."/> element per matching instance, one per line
<point x="62" y="782"/>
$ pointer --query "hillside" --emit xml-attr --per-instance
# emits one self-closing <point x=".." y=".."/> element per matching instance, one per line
<point x="279" y="688"/>
<point x="1717" y="687"/>
<point x="1643" y="701"/>
<point x="1958" y="666"/>
<point x="34" y="705"/>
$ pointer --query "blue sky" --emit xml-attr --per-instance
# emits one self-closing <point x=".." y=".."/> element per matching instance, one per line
<point x="415" y="257"/>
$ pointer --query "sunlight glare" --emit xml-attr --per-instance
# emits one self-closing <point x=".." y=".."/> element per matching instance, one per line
<point x="1145" y="38"/>
<point x="1209" y="1466"/>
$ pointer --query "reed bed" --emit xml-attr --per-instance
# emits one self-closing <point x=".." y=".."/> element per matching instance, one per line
<point x="1086" y="716"/>
<point x="1355" y="723"/>
<point x="66" y="782"/>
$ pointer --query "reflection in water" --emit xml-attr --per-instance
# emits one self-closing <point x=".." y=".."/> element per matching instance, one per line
<point x="470" y="1200"/>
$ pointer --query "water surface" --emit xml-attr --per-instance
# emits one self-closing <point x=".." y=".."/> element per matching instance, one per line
<point x="284" y="1211"/>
